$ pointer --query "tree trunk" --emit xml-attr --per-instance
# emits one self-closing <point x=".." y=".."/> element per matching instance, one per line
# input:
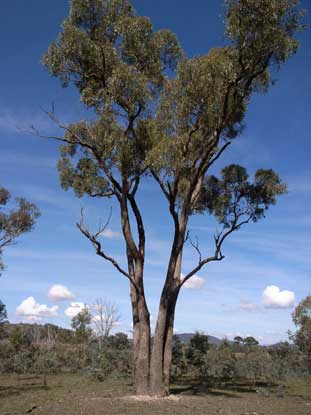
<point x="141" y="343"/>
<point x="161" y="357"/>
<point x="168" y="351"/>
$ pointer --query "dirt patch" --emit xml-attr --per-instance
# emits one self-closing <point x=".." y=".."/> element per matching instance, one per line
<point x="77" y="395"/>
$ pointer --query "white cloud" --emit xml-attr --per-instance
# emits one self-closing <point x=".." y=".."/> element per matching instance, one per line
<point x="194" y="283"/>
<point x="74" y="309"/>
<point x="31" y="308"/>
<point x="59" y="292"/>
<point x="273" y="297"/>
<point x="109" y="233"/>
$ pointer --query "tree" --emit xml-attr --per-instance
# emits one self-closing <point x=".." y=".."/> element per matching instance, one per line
<point x="196" y="353"/>
<point x="3" y="313"/>
<point x="81" y="324"/>
<point x="238" y="339"/>
<point x="173" y="128"/>
<point x="302" y="320"/>
<point x="14" y="222"/>
<point x="106" y="315"/>
<point x="199" y="342"/>
<point x="250" y="341"/>
<point x="3" y="316"/>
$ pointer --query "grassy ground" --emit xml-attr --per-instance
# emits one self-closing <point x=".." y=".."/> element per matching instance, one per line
<point x="79" y="395"/>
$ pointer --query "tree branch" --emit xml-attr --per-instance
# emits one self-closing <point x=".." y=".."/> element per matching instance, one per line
<point x="218" y="256"/>
<point x="98" y="248"/>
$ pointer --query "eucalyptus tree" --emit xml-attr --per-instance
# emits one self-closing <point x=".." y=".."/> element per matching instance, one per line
<point x="159" y="113"/>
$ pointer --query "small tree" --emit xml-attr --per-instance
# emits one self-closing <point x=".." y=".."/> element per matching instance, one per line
<point x="250" y="341"/>
<point x="81" y="324"/>
<point x="173" y="129"/>
<point x="196" y="352"/>
<point x="3" y="314"/>
<point x="238" y="339"/>
<point x="3" y="317"/>
<point x="302" y="320"/>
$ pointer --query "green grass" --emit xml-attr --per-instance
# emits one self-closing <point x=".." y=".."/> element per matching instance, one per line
<point x="20" y="393"/>
<point x="299" y="387"/>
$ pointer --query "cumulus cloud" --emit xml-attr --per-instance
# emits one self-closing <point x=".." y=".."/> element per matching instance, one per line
<point x="60" y="293"/>
<point x="273" y="297"/>
<point x="194" y="283"/>
<point x="109" y="233"/>
<point x="31" y="308"/>
<point x="74" y="309"/>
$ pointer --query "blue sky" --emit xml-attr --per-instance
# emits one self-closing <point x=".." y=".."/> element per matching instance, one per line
<point x="274" y="252"/>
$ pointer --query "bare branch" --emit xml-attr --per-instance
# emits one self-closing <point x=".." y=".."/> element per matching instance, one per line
<point x="106" y="316"/>
<point x="102" y="194"/>
<point x="161" y="184"/>
<point x="99" y="251"/>
<point x="219" y="240"/>
<point x="196" y="247"/>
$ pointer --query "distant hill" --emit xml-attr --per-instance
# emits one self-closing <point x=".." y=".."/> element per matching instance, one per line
<point x="186" y="337"/>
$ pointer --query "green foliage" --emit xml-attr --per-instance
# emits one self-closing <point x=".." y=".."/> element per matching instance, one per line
<point x="50" y="349"/>
<point x="3" y="314"/>
<point x="199" y="342"/>
<point x="145" y="119"/>
<point x="19" y="338"/>
<point x="195" y="353"/>
<point x="302" y="320"/>
<point x="219" y="364"/>
<point x="238" y="339"/>
<point x="250" y="341"/>
<point x="207" y="100"/>
<point x="112" y="358"/>
<point x="118" y="63"/>
<point x="233" y="197"/>
<point x="14" y="222"/>
<point x="81" y="324"/>
<point x="288" y="361"/>
<point x="263" y="28"/>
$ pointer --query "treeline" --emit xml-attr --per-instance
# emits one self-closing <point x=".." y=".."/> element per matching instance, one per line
<point x="241" y="359"/>
<point x="26" y="348"/>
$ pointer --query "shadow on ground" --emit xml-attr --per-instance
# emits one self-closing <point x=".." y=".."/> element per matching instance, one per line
<point x="224" y="389"/>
